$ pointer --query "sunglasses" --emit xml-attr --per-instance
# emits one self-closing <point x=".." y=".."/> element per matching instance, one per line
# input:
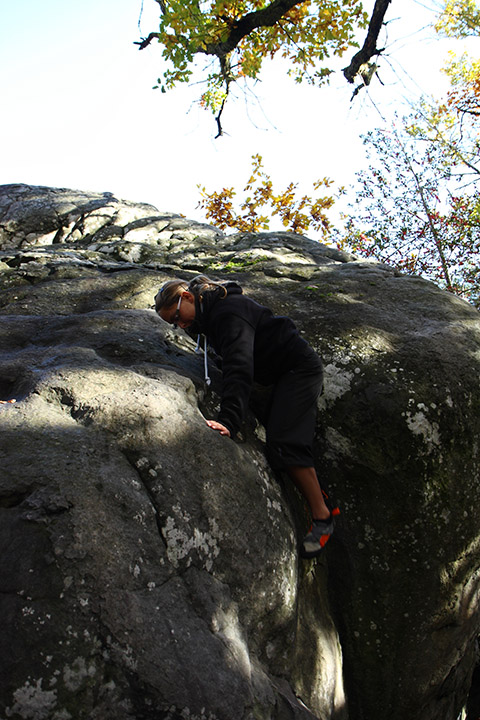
<point x="176" y="317"/>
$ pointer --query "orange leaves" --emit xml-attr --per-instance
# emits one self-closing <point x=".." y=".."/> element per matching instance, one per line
<point x="296" y="214"/>
<point x="464" y="97"/>
<point x="218" y="205"/>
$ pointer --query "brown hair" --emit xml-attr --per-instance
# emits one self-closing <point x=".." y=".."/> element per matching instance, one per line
<point x="171" y="290"/>
<point x="169" y="294"/>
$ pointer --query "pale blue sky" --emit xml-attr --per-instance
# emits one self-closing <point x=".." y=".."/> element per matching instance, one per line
<point x="78" y="109"/>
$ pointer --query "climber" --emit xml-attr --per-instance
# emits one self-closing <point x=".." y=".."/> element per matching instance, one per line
<point x="255" y="345"/>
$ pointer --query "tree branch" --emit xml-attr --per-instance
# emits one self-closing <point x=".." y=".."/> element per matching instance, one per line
<point x="145" y="42"/>
<point x="369" y="48"/>
<point x="437" y="240"/>
<point x="270" y="15"/>
<point x="453" y="147"/>
<point x="218" y="119"/>
<point x="266" y="17"/>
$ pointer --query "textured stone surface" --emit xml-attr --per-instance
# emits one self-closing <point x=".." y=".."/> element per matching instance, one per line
<point x="148" y="566"/>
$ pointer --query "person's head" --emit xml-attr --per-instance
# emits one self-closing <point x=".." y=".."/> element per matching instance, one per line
<point x="175" y="301"/>
<point x="175" y="304"/>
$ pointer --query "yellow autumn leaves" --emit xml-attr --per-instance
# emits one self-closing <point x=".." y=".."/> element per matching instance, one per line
<point x="298" y="214"/>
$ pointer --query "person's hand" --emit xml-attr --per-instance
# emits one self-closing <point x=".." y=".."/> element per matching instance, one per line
<point x="218" y="426"/>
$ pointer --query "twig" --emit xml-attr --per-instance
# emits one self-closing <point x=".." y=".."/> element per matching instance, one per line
<point x="218" y="119"/>
<point x="145" y="42"/>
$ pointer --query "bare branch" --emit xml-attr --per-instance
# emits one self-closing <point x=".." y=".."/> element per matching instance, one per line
<point x="218" y="119"/>
<point x="437" y="239"/>
<point x="227" y="78"/>
<point x="369" y="48"/>
<point x="145" y="42"/>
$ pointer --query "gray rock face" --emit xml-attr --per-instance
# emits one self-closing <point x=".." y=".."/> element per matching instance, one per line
<point x="149" y="566"/>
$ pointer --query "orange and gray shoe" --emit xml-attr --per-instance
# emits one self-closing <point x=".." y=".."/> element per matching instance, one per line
<point x="318" y="536"/>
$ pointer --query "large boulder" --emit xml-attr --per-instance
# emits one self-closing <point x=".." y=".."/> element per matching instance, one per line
<point x="149" y="567"/>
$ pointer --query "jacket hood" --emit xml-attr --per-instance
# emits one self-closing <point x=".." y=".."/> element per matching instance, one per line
<point x="233" y="288"/>
<point x="210" y="298"/>
<point x="202" y="313"/>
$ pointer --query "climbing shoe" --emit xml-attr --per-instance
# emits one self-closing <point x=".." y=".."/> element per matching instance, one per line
<point x="318" y="536"/>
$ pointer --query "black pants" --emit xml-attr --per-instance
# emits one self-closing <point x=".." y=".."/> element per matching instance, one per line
<point x="290" y="425"/>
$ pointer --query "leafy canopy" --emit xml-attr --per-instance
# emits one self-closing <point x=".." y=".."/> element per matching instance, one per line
<point x="242" y="34"/>
<point x="418" y="204"/>
<point x="459" y="19"/>
<point x="410" y="212"/>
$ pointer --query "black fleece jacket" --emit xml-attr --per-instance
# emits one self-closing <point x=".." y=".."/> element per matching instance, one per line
<point x="254" y="345"/>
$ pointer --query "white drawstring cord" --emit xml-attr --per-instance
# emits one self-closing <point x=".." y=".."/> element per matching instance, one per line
<point x="198" y="350"/>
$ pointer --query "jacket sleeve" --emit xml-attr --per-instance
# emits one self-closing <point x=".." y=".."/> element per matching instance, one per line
<point x="235" y="344"/>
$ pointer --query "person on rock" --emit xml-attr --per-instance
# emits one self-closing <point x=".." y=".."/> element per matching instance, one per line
<point x="255" y="345"/>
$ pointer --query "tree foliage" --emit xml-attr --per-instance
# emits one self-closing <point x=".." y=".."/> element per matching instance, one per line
<point x="418" y="205"/>
<point x="297" y="214"/>
<point x="242" y="34"/>
<point x="459" y="19"/>
<point x="464" y="95"/>
<point x="408" y="214"/>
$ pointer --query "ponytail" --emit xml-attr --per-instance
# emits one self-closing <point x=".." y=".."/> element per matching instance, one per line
<point x="202" y="284"/>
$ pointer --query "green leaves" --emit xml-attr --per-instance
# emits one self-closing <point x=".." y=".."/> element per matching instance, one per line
<point x="243" y="33"/>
